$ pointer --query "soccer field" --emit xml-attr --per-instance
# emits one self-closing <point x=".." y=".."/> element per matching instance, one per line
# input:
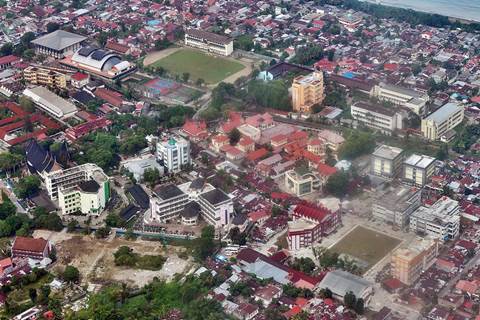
<point x="210" y="68"/>
<point x="365" y="244"/>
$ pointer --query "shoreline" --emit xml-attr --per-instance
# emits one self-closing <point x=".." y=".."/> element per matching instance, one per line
<point x="450" y="17"/>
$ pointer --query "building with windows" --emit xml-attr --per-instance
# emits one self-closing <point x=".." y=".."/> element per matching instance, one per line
<point x="408" y="263"/>
<point x="58" y="44"/>
<point x="217" y="207"/>
<point x="413" y="100"/>
<point x="174" y="153"/>
<point x="377" y="117"/>
<point x="351" y="21"/>
<point x="307" y="91"/>
<point x="208" y="41"/>
<point x="301" y="181"/>
<point x="441" y="220"/>
<point x="45" y="77"/>
<point x="417" y="169"/>
<point x="440" y="124"/>
<point x="387" y="161"/>
<point x="166" y="203"/>
<point x="395" y="205"/>
<point x="51" y="103"/>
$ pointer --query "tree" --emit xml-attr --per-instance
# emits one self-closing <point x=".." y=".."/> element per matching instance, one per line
<point x="113" y="220"/>
<point x="71" y="274"/>
<point x="151" y="176"/>
<point x="26" y="103"/>
<point x="27" y="186"/>
<point x="337" y="184"/>
<point x="360" y="306"/>
<point x="234" y="136"/>
<point x="32" y="293"/>
<point x="26" y="38"/>
<point x="52" y="26"/>
<point x="185" y="77"/>
<point x="6" y="49"/>
<point x="357" y="144"/>
<point x="200" y="82"/>
<point x="72" y="225"/>
<point x="9" y="161"/>
<point x="350" y="300"/>
<point x="102" y="232"/>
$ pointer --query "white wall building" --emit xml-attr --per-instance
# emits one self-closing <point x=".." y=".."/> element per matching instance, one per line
<point x="417" y="169"/>
<point x="385" y="120"/>
<point x="438" y="124"/>
<point x="208" y="41"/>
<point x="408" y="98"/>
<point x="174" y="153"/>
<point x="387" y="161"/>
<point x="50" y="102"/>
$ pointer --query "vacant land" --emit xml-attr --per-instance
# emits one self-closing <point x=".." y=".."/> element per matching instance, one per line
<point x="210" y="68"/>
<point x="366" y="245"/>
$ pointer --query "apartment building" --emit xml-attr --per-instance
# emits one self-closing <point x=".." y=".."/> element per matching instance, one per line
<point x="174" y="153"/>
<point x="413" y="100"/>
<point x="307" y="91"/>
<point x="45" y="77"/>
<point x="387" y="161"/>
<point x="166" y="203"/>
<point x="417" y="169"/>
<point x="208" y="41"/>
<point x="377" y="117"/>
<point x="395" y="204"/>
<point x="216" y="207"/>
<point x="408" y="263"/>
<point x="439" y="125"/>
<point x="441" y="220"/>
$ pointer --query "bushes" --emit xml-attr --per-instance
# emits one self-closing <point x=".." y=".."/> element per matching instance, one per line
<point x="124" y="256"/>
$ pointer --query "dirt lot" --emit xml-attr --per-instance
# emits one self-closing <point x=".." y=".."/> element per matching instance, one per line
<point x="94" y="258"/>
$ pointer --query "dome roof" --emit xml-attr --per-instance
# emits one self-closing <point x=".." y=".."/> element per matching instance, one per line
<point x="96" y="58"/>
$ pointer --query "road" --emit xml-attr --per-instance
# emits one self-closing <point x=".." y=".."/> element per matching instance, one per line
<point x="11" y="195"/>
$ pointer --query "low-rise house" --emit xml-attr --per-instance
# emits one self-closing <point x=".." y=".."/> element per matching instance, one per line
<point x="267" y="294"/>
<point x="36" y="249"/>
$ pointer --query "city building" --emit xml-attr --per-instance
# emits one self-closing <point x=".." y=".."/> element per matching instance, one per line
<point x="166" y="203"/>
<point x="45" y="77"/>
<point x="301" y="181"/>
<point x="439" y="124"/>
<point x="174" y="153"/>
<point x="351" y="21"/>
<point x="51" y="103"/>
<point x="395" y="204"/>
<point x="87" y="197"/>
<point x="217" y="207"/>
<point x="417" y="169"/>
<point x="137" y="166"/>
<point x="307" y="91"/>
<point x="409" y="262"/>
<point x="441" y="220"/>
<point x="33" y="248"/>
<point x="208" y="41"/>
<point x="58" y="44"/>
<point x="303" y="234"/>
<point x="387" y="161"/>
<point x="99" y="62"/>
<point x="413" y="100"/>
<point x="341" y="282"/>
<point x="385" y="120"/>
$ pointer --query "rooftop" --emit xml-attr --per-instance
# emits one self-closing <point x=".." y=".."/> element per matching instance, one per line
<point x="215" y="196"/>
<point x="420" y="161"/>
<point x="168" y="192"/>
<point x="387" y="152"/>
<point x="59" y="40"/>
<point x="445" y="112"/>
<point x="341" y="282"/>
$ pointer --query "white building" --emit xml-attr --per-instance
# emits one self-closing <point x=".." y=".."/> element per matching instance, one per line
<point x="387" y="161"/>
<point x="51" y="103"/>
<point x="441" y="220"/>
<point x="417" y="169"/>
<point x="438" y="124"/>
<point x="166" y="203"/>
<point x="174" y="153"/>
<point x="208" y="41"/>
<point x="385" y="120"/>
<point x="58" y="43"/>
<point x="400" y="96"/>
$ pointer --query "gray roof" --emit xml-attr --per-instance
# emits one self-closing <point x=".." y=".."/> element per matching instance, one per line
<point x="341" y="282"/>
<point x="215" y="196"/>
<point x="59" y="40"/>
<point x="168" y="192"/>
<point x="442" y="114"/>
<point x="387" y="152"/>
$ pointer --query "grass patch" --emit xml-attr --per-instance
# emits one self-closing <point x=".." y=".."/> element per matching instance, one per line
<point x="210" y="68"/>
<point x="124" y="256"/>
<point x="366" y="245"/>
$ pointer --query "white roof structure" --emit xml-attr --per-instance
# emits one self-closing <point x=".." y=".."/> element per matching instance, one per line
<point x="444" y="113"/>
<point x="59" y="40"/>
<point x="419" y="161"/>
<point x="341" y="282"/>
<point x="50" y="102"/>
<point x="387" y="152"/>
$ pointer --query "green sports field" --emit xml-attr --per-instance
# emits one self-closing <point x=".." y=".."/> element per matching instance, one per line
<point x="210" y="68"/>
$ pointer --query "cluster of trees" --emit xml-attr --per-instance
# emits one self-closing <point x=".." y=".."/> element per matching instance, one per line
<point x="240" y="288"/>
<point x="331" y="259"/>
<point x="271" y="94"/>
<point x="468" y="136"/>
<point x="238" y="237"/>
<point x="206" y="245"/>
<point x="337" y="184"/>
<point x="27" y="186"/>
<point x="221" y="94"/>
<point x="10" y="161"/>
<point x="124" y="256"/>
<point x="22" y="49"/>
<point x="357" y="144"/>
<point x="294" y="292"/>
<point x="308" y="54"/>
<point x="304" y="264"/>
<point x="353" y="303"/>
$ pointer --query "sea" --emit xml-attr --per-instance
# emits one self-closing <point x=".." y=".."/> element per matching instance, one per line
<point x="462" y="9"/>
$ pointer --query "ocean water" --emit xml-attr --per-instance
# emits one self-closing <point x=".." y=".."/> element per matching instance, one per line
<point x="464" y="9"/>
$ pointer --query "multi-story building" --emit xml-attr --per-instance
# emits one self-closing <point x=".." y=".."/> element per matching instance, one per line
<point x="88" y="197"/>
<point x="351" y="21"/>
<point x="167" y="203"/>
<point x="441" y="220"/>
<point x="217" y="207"/>
<point x="413" y="100"/>
<point x="395" y="205"/>
<point x="58" y="44"/>
<point x="408" y="263"/>
<point x="301" y="181"/>
<point x="307" y="91"/>
<point x="387" y="161"/>
<point x="439" y="124"/>
<point x="46" y="77"/>
<point x="174" y="153"/>
<point x="385" y="120"/>
<point x="417" y="169"/>
<point x="208" y="41"/>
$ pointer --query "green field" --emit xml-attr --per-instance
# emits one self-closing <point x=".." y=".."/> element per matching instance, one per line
<point x="210" y="68"/>
<point x="366" y="245"/>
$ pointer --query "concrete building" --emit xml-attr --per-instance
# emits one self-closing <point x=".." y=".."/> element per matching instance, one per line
<point x="409" y="262"/>
<point x="395" y="205"/>
<point x="413" y="100"/>
<point x="167" y="203"/>
<point x="45" y="77"/>
<point x="58" y="44"/>
<point x="137" y="166"/>
<point x="351" y="21"/>
<point x="439" y="124"/>
<point x="174" y="153"/>
<point x="208" y="41"/>
<point x="307" y="91"/>
<point x="417" y="169"/>
<point x="387" y="161"/>
<point x="88" y="197"/>
<point x="51" y="103"/>
<point x="441" y="220"/>
<point x="301" y="181"/>
<point x="217" y="207"/>
<point x="303" y="234"/>
<point x="342" y="282"/>
<point x="377" y="117"/>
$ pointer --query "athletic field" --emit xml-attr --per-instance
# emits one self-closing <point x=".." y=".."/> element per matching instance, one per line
<point x="198" y="64"/>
